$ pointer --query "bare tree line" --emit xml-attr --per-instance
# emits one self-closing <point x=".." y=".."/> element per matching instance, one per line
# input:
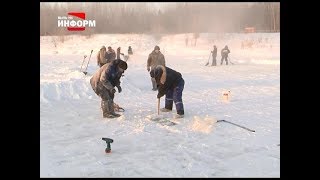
<point x="175" y="18"/>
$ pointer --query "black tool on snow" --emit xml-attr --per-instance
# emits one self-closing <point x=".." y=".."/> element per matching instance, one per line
<point x="108" y="141"/>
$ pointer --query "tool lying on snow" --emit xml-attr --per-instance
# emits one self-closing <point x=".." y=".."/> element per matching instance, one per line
<point x="222" y="120"/>
<point x="108" y="141"/>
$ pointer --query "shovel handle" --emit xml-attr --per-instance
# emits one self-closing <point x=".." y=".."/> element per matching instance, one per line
<point x="158" y="106"/>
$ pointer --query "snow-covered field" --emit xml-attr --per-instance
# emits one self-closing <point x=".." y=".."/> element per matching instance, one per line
<point x="71" y="123"/>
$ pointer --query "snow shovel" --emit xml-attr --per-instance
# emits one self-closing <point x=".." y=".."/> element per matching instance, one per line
<point x="158" y="106"/>
<point x="84" y="57"/>
<point x="230" y="61"/>
<point x="85" y="72"/>
<point x="208" y="60"/>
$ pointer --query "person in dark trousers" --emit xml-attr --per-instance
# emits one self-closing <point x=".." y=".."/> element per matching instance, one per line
<point x="224" y="54"/>
<point x="214" y="56"/>
<point x="171" y="84"/>
<point x="130" y="52"/>
<point x="103" y="83"/>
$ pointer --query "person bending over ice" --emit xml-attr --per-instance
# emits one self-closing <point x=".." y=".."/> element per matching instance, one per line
<point x="103" y="82"/>
<point x="170" y="83"/>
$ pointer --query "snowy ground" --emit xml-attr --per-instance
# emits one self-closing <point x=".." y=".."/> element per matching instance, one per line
<point x="71" y="123"/>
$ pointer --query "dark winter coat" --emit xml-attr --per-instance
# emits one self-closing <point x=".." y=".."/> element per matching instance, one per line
<point x="107" y="77"/>
<point x="166" y="78"/>
<point x="214" y="52"/>
<point x="224" y="52"/>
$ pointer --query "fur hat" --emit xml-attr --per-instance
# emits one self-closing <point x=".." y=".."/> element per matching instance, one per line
<point x="156" y="72"/>
<point x="122" y="64"/>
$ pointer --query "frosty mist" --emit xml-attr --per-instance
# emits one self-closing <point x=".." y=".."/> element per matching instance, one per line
<point x="71" y="125"/>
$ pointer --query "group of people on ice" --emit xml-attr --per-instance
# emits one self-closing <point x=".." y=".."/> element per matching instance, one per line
<point x="224" y="55"/>
<point x="104" y="56"/>
<point x="164" y="79"/>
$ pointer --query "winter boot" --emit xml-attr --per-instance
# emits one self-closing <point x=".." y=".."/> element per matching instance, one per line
<point x="115" y="114"/>
<point x="105" y="115"/>
<point x="180" y="114"/>
<point x="108" y="110"/>
<point x="111" y="109"/>
<point x="165" y="110"/>
<point x="177" y="116"/>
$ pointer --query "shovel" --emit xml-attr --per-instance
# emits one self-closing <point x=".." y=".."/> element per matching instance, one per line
<point x="208" y="59"/>
<point x="84" y="57"/>
<point x="158" y="106"/>
<point x="85" y="72"/>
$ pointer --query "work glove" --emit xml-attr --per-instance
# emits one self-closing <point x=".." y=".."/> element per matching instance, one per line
<point x="113" y="91"/>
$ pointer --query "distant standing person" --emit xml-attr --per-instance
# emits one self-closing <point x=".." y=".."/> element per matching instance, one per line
<point x="130" y="52"/>
<point x="155" y="58"/>
<point x="101" y="60"/>
<point x="110" y="54"/>
<point x="214" y="56"/>
<point x="119" y="53"/>
<point x="224" y="54"/>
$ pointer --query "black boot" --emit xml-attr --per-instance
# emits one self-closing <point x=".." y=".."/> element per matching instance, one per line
<point x="106" y="115"/>
<point x="115" y="114"/>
